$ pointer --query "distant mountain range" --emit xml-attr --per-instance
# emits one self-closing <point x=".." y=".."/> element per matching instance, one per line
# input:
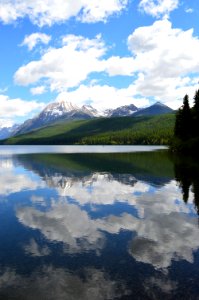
<point x="6" y="132"/>
<point x="66" y="111"/>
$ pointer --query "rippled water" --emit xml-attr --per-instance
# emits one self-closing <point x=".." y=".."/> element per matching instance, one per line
<point x="98" y="226"/>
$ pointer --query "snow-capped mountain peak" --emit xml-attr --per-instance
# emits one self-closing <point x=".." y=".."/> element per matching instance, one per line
<point x="57" y="111"/>
<point x="126" y="110"/>
<point x="60" y="108"/>
<point x="66" y="111"/>
<point x="91" y="110"/>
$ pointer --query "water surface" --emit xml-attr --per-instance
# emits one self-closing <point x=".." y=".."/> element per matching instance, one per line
<point x="98" y="226"/>
<point x="76" y="149"/>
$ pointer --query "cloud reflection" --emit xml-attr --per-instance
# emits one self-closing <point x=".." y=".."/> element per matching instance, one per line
<point x="13" y="180"/>
<point x="65" y="223"/>
<point x="164" y="231"/>
<point x="56" y="283"/>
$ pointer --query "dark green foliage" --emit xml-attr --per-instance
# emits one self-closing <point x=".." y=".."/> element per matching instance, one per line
<point x="154" y="167"/>
<point x="196" y="102"/>
<point x="187" y="175"/>
<point x="183" y="122"/>
<point x="195" y="113"/>
<point x="153" y="130"/>
<point x="186" y="133"/>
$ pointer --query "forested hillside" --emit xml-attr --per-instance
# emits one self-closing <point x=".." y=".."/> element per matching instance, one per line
<point x="151" y="130"/>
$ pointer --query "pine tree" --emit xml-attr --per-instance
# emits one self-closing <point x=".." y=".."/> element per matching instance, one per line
<point x="196" y="114"/>
<point x="183" y="122"/>
<point x="178" y="124"/>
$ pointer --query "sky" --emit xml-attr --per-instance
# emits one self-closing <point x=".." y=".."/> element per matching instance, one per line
<point x="106" y="53"/>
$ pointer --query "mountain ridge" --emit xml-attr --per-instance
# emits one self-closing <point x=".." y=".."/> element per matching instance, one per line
<point x="150" y="130"/>
<point x="67" y="111"/>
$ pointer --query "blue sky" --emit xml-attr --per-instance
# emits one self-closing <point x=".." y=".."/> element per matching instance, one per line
<point x="106" y="53"/>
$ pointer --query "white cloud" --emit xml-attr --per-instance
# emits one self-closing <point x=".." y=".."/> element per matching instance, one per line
<point x="164" y="58"/>
<point x="157" y="8"/>
<point x="67" y="66"/>
<point x="189" y="10"/>
<point x="103" y="96"/>
<point x="100" y="10"/>
<point x="39" y="90"/>
<point x="12" y="108"/>
<point x="164" y="65"/>
<point x="116" y="65"/>
<point x="35" y="38"/>
<point x="42" y="12"/>
<point x="6" y="123"/>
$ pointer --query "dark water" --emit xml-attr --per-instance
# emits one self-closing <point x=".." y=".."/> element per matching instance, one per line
<point x="99" y="226"/>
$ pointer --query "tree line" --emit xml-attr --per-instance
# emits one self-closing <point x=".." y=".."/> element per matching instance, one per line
<point x="186" y="132"/>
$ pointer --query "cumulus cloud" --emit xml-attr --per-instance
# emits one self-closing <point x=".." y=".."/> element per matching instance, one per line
<point x="6" y="123"/>
<point x="39" y="90"/>
<point x="35" y="38"/>
<point x="11" y="108"/>
<point x="164" y="58"/>
<point x="48" y="13"/>
<point x="103" y="96"/>
<point x="67" y="66"/>
<point x="163" y="65"/>
<point x="158" y="8"/>
<point x="100" y="10"/>
<point x="116" y="65"/>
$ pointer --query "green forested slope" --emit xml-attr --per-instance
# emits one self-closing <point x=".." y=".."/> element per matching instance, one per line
<point x="126" y="130"/>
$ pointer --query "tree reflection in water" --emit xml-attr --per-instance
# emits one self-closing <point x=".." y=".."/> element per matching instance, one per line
<point x="187" y="175"/>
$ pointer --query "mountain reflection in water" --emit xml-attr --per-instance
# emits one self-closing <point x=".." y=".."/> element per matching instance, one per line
<point x="98" y="226"/>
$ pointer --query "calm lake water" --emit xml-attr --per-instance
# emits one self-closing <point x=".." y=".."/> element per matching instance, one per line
<point x="91" y="226"/>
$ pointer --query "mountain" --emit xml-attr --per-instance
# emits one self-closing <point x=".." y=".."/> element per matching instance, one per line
<point x="66" y="111"/>
<point x="6" y="132"/>
<point x="88" y="109"/>
<point x="149" y="130"/>
<point x="58" y="111"/>
<point x="156" y="109"/>
<point x="122" y="111"/>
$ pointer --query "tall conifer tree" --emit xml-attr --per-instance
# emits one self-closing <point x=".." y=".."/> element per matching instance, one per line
<point x="196" y="114"/>
<point x="183" y="120"/>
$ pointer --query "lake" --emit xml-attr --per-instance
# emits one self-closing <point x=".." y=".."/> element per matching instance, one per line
<point x="76" y="223"/>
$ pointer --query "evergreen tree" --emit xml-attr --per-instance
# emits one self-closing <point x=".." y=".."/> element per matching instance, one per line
<point x="178" y="124"/>
<point x="196" y="101"/>
<point x="183" y="122"/>
<point x="196" y="114"/>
